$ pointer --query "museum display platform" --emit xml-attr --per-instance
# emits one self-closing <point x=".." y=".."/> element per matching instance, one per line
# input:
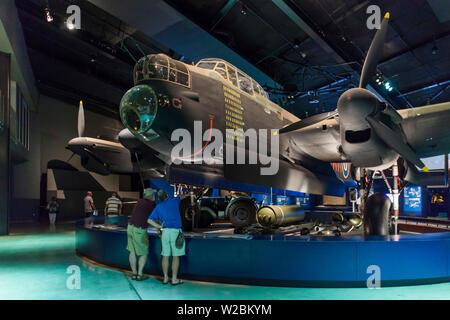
<point x="298" y="261"/>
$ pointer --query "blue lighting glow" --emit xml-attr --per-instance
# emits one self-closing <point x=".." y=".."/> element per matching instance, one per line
<point x="387" y="86"/>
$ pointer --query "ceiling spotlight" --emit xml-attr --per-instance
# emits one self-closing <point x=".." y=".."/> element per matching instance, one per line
<point x="243" y="9"/>
<point x="70" y="25"/>
<point x="387" y="86"/>
<point x="48" y="15"/>
<point x="379" y="79"/>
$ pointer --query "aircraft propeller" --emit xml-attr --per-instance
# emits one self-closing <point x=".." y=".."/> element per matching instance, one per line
<point x="393" y="139"/>
<point x="81" y="120"/>
<point x="374" y="53"/>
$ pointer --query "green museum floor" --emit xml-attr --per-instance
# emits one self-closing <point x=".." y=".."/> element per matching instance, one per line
<point x="35" y="266"/>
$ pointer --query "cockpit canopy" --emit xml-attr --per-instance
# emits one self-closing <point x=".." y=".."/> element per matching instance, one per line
<point x="160" y="66"/>
<point x="234" y="76"/>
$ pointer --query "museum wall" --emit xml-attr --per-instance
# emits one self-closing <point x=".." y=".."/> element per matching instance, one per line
<point x="12" y="41"/>
<point x="26" y="178"/>
<point x="59" y="125"/>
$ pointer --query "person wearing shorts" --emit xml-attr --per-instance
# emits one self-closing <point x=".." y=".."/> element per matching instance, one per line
<point x="89" y="208"/>
<point x="168" y="215"/>
<point x="137" y="236"/>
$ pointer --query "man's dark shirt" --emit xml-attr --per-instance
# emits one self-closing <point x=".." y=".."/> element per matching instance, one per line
<point x="141" y="212"/>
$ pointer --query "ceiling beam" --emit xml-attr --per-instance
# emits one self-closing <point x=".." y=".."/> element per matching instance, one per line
<point x="409" y="49"/>
<point x="319" y="39"/>
<point x="424" y="88"/>
<point x="306" y="28"/>
<point x="223" y="12"/>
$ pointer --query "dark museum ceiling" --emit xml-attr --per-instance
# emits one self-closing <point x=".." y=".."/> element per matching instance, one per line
<point x="322" y="57"/>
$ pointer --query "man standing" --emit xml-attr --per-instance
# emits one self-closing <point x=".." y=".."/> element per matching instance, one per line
<point x="89" y="208"/>
<point x="53" y="209"/>
<point x="113" y="205"/>
<point x="168" y="215"/>
<point x="137" y="236"/>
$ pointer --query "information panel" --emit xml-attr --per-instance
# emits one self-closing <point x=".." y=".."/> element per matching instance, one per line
<point x="412" y="199"/>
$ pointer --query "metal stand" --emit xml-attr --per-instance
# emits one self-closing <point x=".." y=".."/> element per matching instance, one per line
<point x="353" y="198"/>
<point x="395" y="195"/>
<point x="362" y="187"/>
<point x="192" y="197"/>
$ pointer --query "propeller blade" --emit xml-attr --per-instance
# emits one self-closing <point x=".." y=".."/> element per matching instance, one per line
<point x="395" y="141"/>
<point x="374" y="53"/>
<point x="308" y="121"/>
<point x="81" y="120"/>
<point x="393" y="114"/>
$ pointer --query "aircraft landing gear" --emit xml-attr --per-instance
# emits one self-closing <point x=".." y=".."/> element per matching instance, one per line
<point x="192" y="216"/>
<point x="378" y="215"/>
<point x="395" y="195"/>
<point x="242" y="212"/>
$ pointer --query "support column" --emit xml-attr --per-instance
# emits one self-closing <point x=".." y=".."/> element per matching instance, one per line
<point x="361" y="175"/>
<point x="5" y="196"/>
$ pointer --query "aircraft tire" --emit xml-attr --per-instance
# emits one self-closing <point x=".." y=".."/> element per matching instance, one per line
<point x="242" y="212"/>
<point x="377" y="215"/>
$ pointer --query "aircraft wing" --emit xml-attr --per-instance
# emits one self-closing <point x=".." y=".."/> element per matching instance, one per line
<point x="319" y="141"/>
<point x="287" y="176"/>
<point x="427" y="129"/>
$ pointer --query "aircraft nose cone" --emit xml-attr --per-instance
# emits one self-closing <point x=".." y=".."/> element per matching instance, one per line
<point x="138" y="108"/>
<point x="77" y="144"/>
<point x="355" y="105"/>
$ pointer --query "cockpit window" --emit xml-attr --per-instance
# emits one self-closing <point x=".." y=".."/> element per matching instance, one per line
<point x="245" y="83"/>
<point x="255" y="86"/>
<point x="261" y="91"/>
<point x="221" y="69"/>
<point x="159" y="66"/>
<point x="232" y="75"/>
<point x="206" y="65"/>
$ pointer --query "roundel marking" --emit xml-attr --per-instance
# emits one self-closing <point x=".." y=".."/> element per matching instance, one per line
<point x="345" y="170"/>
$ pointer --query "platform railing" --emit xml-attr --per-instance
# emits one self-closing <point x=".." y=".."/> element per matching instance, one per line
<point x="430" y="222"/>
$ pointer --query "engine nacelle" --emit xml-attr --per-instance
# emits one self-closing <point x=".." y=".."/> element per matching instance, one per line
<point x="408" y="172"/>
<point x="93" y="165"/>
<point x="360" y="144"/>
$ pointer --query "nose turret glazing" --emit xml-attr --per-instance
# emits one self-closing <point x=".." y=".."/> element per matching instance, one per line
<point x="138" y="109"/>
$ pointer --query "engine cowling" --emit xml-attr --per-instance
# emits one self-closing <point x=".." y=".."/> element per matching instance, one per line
<point x="93" y="165"/>
<point x="360" y="143"/>
<point x="408" y="172"/>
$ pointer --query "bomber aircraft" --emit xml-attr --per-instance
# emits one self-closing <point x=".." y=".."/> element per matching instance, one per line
<point x="363" y="131"/>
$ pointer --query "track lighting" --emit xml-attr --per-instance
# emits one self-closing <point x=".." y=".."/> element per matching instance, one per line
<point x="48" y="14"/>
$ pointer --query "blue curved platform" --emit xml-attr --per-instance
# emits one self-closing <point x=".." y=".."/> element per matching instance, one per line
<point x="303" y="261"/>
